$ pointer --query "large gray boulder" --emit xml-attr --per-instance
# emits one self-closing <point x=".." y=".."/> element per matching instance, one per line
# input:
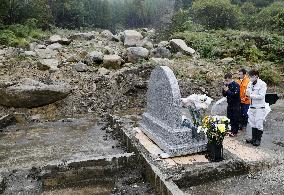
<point x="54" y="46"/>
<point x="132" y="37"/>
<point x="134" y="54"/>
<point x="112" y="61"/>
<point x="80" y="67"/>
<point x="94" y="57"/>
<point x="107" y="34"/>
<point x="28" y="93"/>
<point x="46" y="53"/>
<point x="179" y="45"/>
<point x="59" y="39"/>
<point x="48" y="64"/>
<point x="29" y="53"/>
<point x="161" y="52"/>
<point x="55" y="38"/>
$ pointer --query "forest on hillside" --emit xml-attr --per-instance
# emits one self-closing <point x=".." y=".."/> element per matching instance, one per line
<point x="110" y="14"/>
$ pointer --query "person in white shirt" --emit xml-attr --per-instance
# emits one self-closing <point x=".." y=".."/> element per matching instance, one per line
<point x="256" y="91"/>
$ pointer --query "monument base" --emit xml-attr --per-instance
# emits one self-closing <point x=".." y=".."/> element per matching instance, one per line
<point x="174" y="142"/>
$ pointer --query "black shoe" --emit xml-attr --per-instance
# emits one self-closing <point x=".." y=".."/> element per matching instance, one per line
<point x="252" y="140"/>
<point x="258" y="138"/>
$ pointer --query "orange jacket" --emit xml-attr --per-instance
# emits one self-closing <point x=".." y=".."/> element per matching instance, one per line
<point x="243" y="86"/>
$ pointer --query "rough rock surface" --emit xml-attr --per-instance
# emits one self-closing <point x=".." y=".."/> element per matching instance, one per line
<point x="136" y="53"/>
<point x="131" y="37"/>
<point x="180" y="45"/>
<point x="112" y="61"/>
<point x="28" y="93"/>
<point x="81" y="67"/>
<point x="94" y="57"/>
<point x="54" y="46"/>
<point x="107" y="34"/>
<point x="48" y="64"/>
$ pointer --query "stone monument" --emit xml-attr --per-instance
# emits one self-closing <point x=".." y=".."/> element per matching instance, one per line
<point x="162" y="121"/>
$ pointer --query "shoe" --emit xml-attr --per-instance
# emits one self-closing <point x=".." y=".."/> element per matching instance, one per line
<point x="258" y="138"/>
<point x="252" y="140"/>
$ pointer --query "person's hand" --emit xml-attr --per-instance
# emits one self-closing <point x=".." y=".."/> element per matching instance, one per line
<point x="226" y="88"/>
<point x="247" y="94"/>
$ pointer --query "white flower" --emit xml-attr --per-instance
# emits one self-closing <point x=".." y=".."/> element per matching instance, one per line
<point x="199" y="129"/>
<point x="198" y="101"/>
<point x="205" y="130"/>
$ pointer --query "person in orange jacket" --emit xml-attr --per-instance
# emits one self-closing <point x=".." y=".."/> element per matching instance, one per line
<point x="245" y="101"/>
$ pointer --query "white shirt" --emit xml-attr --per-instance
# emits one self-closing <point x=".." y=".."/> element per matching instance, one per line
<point x="257" y="93"/>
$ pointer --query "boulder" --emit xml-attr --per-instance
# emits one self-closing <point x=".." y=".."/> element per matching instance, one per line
<point x="48" y="64"/>
<point x="109" y="51"/>
<point x="107" y="34"/>
<point x="146" y="43"/>
<point x="161" y="52"/>
<point x="103" y="71"/>
<point x="94" y="57"/>
<point x="28" y="93"/>
<point x="180" y="45"/>
<point x="65" y="41"/>
<point x="134" y="54"/>
<point x="54" y="46"/>
<point x="59" y="39"/>
<point x="116" y="38"/>
<point x="46" y="53"/>
<point x="40" y="46"/>
<point x="163" y="44"/>
<point x="85" y="36"/>
<point x="29" y="53"/>
<point x="55" y="38"/>
<point x="112" y="61"/>
<point x="131" y="37"/>
<point x="81" y="67"/>
<point x="33" y="46"/>
<point x="73" y="58"/>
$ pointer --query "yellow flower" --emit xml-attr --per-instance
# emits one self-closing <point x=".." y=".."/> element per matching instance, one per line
<point x="224" y="119"/>
<point x="221" y="128"/>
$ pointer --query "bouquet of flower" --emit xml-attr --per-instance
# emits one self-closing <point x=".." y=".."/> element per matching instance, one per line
<point x="197" y="105"/>
<point x="215" y="127"/>
<point x="197" y="101"/>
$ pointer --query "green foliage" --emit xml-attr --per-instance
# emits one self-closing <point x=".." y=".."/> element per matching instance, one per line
<point x="253" y="47"/>
<point x="272" y="18"/>
<point x="19" y="30"/>
<point x="216" y="14"/>
<point x="18" y="35"/>
<point x="270" y="75"/>
<point x="7" y="37"/>
<point x="249" y="12"/>
<point x="179" y="21"/>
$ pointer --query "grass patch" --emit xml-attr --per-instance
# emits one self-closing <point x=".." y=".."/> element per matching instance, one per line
<point x="251" y="46"/>
<point x="19" y="35"/>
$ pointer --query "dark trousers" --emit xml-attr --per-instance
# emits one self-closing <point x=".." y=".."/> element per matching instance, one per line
<point x="244" y="115"/>
<point x="233" y="113"/>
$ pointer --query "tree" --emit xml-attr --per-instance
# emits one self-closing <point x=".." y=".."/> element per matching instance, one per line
<point x="271" y="18"/>
<point x="216" y="14"/>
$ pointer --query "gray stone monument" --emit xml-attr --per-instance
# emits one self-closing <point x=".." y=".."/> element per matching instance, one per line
<point x="162" y="122"/>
